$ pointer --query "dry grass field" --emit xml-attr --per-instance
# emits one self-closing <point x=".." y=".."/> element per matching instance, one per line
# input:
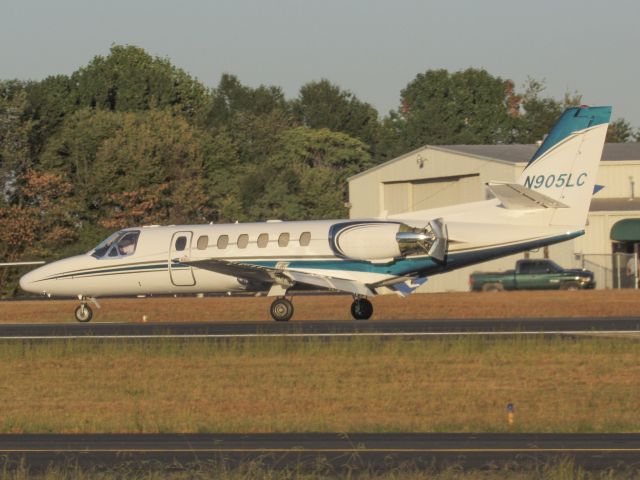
<point x="598" y="303"/>
<point x="458" y="384"/>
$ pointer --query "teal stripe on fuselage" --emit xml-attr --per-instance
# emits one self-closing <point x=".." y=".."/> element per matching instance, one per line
<point x="422" y="266"/>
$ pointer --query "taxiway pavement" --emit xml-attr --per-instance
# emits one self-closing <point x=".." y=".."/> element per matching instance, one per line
<point x="359" y="450"/>
<point x="322" y="328"/>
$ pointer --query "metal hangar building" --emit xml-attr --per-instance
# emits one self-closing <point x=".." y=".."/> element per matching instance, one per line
<point x="437" y="176"/>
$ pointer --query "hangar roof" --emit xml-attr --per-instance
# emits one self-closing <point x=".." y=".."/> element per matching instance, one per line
<point x="615" y="205"/>
<point x="516" y="153"/>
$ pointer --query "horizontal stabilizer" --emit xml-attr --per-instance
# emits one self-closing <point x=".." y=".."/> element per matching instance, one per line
<point x="20" y="264"/>
<point x="518" y="197"/>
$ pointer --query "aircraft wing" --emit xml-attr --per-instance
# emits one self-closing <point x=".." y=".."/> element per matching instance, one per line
<point x="280" y="276"/>
<point x="252" y="273"/>
<point x="332" y="283"/>
<point x="19" y="264"/>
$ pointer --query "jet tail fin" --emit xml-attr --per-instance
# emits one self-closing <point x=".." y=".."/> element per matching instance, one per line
<point x="564" y="168"/>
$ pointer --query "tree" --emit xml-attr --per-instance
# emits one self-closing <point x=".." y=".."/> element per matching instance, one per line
<point x="539" y="115"/>
<point x="50" y="101"/>
<point x="246" y="141"/>
<point x="15" y="132"/>
<point x="465" y="107"/>
<point x="157" y="160"/>
<point x="324" y="105"/>
<point x="72" y="151"/>
<point x="619" y="131"/>
<point x="38" y="223"/>
<point x="130" y="168"/>
<point x="231" y="98"/>
<point x="129" y="79"/>
<point x="305" y="179"/>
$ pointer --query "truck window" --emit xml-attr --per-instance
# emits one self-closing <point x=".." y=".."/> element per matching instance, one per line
<point x="524" y="268"/>
<point x="554" y="267"/>
<point x="537" y="268"/>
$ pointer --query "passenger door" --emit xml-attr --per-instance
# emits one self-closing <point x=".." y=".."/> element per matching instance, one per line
<point x="181" y="275"/>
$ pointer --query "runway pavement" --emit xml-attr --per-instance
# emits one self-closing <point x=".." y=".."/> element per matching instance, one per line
<point x="323" y="328"/>
<point x="373" y="451"/>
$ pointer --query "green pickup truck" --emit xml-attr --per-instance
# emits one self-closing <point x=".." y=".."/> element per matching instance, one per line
<point x="532" y="275"/>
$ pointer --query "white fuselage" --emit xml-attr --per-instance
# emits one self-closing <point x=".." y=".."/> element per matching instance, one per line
<point x="306" y="246"/>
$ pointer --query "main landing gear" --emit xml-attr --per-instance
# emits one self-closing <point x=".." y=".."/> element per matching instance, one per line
<point x="282" y="310"/>
<point x="361" y="308"/>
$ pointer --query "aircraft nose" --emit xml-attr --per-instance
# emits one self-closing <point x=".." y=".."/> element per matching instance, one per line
<point x="28" y="281"/>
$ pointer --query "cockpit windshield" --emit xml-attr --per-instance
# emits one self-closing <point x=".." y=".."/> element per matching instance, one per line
<point x="119" y="244"/>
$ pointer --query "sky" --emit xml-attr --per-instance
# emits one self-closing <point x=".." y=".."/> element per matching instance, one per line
<point x="372" y="48"/>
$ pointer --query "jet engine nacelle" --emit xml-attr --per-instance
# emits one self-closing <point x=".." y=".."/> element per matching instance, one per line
<point x="385" y="241"/>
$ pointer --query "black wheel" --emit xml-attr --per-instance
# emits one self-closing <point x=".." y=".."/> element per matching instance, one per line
<point x="570" y="286"/>
<point x="361" y="309"/>
<point x="84" y="313"/>
<point x="282" y="310"/>
<point x="492" y="287"/>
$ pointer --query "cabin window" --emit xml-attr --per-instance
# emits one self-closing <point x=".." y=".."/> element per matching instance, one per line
<point x="243" y="240"/>
<point x="181" y="243"/>
<point x="223" y="241"/>
<point x="203" y="242"/>
<point x="263" y="240"/>
<point x="283" y="239"/>
<point x="305" y="239"/>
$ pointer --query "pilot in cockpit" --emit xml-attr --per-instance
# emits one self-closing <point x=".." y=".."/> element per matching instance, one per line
<point x="127" y="245"/>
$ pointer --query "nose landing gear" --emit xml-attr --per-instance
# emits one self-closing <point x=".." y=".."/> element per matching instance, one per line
<point x="361" y="308"/>
<point x="282" y="310"/>
<point x="84" y="313"/>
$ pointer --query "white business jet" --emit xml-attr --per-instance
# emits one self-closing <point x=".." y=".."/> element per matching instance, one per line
<point x="395" y="254"/>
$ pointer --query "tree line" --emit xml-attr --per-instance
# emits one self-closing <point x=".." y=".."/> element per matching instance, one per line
<point x="131" y="139"/>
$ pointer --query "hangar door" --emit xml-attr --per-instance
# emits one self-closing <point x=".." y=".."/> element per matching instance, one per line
<point x="437" y="192"/>
<point x="442" y="192"/>
<point x="396" y="197"/>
